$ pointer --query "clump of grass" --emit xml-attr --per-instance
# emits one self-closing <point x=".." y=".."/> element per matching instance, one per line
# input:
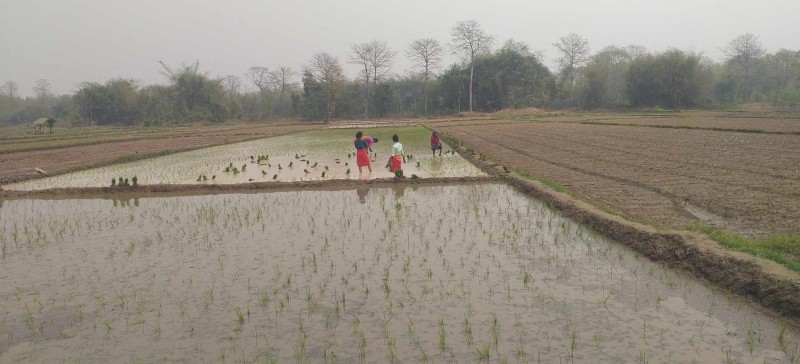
<point x="782" y="249"/>
<point x="555" y="186"/>
<point x="239" y="316"/>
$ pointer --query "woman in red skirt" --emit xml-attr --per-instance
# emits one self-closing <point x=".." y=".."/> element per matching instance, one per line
<point x="362" y="157"/>
<point x="398" y="155"/>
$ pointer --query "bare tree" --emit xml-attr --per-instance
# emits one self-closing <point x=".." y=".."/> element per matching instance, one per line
<point x="281" y="79"/>
<point x="380" y="59"/>
<point x="470" y="40"/>
<point x="745" y="51"/>
<point x="426" y="56"/>
<point x="327" y="70"/>
<point x="42" y="89"/>
<point x="10" y="88"/>
<point x="259" y="76"/>
<point x="232" y="84"/>
<point x="574" y="53"/>
<point x="636" y="51"/>
<point x="361" y="55"/>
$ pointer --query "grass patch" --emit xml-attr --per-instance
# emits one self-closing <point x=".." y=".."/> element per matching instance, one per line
<point x="781" y="249"/>
<point x="555" y="186"/>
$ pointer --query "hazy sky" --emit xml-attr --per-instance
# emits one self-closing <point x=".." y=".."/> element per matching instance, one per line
<point x="68" y="42"/>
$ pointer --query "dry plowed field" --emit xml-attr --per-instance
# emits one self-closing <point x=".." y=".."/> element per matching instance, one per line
<point x="107" y="149"/>
<point x="742" y="181"/>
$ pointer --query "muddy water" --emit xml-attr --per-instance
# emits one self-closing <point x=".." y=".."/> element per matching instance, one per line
<point x="296" y="157"/>
<point x="440" y="274"/>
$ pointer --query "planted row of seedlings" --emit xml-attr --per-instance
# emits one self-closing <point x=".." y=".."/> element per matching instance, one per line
<point x="237" y="163"/>
<point x="425" y="274"/>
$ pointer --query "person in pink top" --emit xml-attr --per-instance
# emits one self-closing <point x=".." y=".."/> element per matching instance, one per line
<point x="370" y="141"/>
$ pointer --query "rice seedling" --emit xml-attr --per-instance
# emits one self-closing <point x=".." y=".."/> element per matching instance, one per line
<point x="442" y="336"/>
<point x="483" y="352"/>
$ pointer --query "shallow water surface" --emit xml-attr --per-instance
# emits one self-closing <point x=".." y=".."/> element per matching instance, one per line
<point x="316" y="155"/>
<point x="458" y="273"/>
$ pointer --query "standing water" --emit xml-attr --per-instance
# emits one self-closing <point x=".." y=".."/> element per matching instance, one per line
<point x="459" y="273"/>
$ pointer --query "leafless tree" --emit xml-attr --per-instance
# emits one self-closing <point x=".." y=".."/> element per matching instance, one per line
<point x="281" y="79"/>
<point x="42" y="89"/>
<point x="636" y="51"/>
<point x="426" y="57"/>
<point x="574" y="51"/>
<point x="745" y="51"/>
<point x="10" y="88"/>
<point x="470" y="40"/>
<point x="327" y="70"/>
<point x="232" y="84"/>
<point x="361" y="55"/>
<point x="375" y="59"/>
<point x="380" y="59"/>
<point x="259" y="76"/>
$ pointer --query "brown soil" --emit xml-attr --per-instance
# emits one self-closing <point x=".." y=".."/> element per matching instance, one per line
<point x="19" y="166"/>
<point x="744" y="182"/>
<point x="725" y="122"/>
<point x="763" y="281"/>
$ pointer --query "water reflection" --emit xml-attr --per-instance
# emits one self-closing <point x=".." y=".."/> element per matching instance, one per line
<point x="362" y="194"/>
<point x="125" y="202"/>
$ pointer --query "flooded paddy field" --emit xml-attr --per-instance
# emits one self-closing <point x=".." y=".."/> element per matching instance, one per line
<point x="450" y="273"/>
<point x="315" y="155"/>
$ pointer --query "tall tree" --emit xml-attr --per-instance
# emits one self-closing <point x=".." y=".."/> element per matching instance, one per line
<point x="745" y="51"/>
<point x="326" y="69"/>
<point x="196" y="96"/>
<point x="10" y="88"/>
<point x="42" y="90"/>
<point x="606" y="77"/>
<point x="232" y="84"/>
<point x="380" y="59"/>
<point x="426" y="56"/>
<point x="470" y="40"/>
<point x="361" y="54"/>
<point x="259" y="76"/>
<point x="574" y="51"/>
<point x="281" y="79"/>
<point x="779" y="76"/>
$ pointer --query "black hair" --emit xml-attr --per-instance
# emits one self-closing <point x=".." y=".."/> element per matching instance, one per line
<point x="374" y="139"/>
<point x="359" y="134"/>
<point x="395" y="138"/>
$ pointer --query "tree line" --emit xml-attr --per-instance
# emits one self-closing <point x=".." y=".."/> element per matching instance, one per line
<point x="487" y="78"/>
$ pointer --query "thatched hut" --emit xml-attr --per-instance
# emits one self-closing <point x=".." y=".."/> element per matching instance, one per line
<point x="39" y="125"/>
